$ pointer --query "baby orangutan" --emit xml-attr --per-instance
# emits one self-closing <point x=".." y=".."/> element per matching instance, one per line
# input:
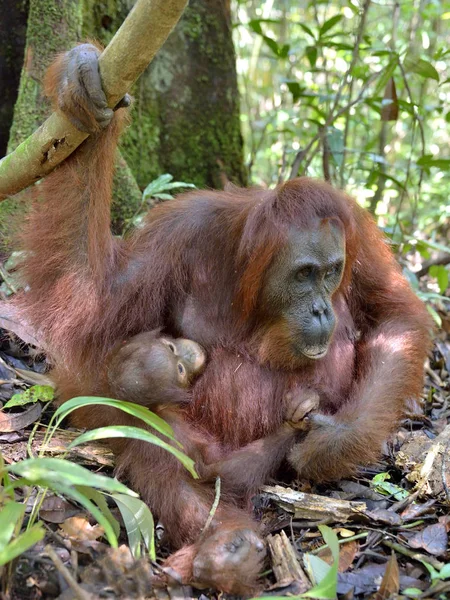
<point x="156" y="371"/>
<point x="151" y="369"/>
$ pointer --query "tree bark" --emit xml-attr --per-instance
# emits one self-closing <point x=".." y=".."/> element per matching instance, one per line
<point x="53" y="26"/>
<point x="186" y="118"/>
<point x="13" y="26"/>
<point x="186" y="115"/>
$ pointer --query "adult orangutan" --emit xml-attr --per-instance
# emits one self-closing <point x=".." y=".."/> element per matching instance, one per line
<point x="293" y="293"/>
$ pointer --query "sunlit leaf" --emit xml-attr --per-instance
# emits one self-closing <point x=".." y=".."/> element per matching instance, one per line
<point x="10" y="515"/>
<point x="138" y="522"/>
<point x="136" y="410"/>
<point x="441" y="274"/>
<point x="22" y="543"/>
<point x="327" y="587"/>
<point x="49" y="471"/>
<point x="35" y="393"/>
<point x="420" y="66"/>
<point x="330" y="24"/>
<point x="135" y="433"/>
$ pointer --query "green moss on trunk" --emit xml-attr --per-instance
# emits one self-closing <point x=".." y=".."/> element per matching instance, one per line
<point x="53" y="26"/>
<point x="186" y="116"/>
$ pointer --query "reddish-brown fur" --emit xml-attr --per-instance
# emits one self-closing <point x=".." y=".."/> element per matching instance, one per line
<point x="197" y="269"/>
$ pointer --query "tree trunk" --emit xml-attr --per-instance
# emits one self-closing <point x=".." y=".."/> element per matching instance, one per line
<point x="186" y="110"/>
<point x="53" y="26"/>
<point x="13" y="25"/>
<point x="186" y="113"/>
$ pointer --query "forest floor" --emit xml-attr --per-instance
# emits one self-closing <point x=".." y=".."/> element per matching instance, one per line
<point x="391" y="523"/>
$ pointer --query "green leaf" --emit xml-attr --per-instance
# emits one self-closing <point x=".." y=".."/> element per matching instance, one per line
<point x="434" y="314"/>
<point x="421" y="67"/>
<point x="135" y="433"/>
<point x="311" y="55"/>
<point x="138" y="522"/>
<point x="100" y="500"/>
<point x="434" y="245"/>
<point x="329" y="24"/>
<point x="316" y="567"/>
<point x="381" y="485"/>
<point x="163" y="196"/>
<point x="444" y="573"/>
<point x="255" y="24"/>
<point x="35" y="393"/>
<point x="157" y="185"/>
<point x="327" y="588"/>
<point x="441" y="274"/>
<point x="163" y="183"/>
<point x="10" y="515"/>
<point x="22" y="543"/>
<point x="296" y="89"/>
<point x="272" y="44"/>
<point x="412" y="592"/>
<point x="49" y="472"/>
<point x="427" y="160"/>
<point x="307" y="30"/>
<point x="136" y="410"/>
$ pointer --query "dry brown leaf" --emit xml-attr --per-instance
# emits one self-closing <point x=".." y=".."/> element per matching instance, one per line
<point x="55" y="509"/>
<point x="79" y="529"/>
<point x="347" y="553"/>
<point x="390" y="584"/>
<point x="433" y="539"/>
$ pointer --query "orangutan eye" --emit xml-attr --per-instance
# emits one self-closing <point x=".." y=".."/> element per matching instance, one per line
<point x="171" y="347"/>
<point x="304" y="272"/>
<point x="181" y="369"/>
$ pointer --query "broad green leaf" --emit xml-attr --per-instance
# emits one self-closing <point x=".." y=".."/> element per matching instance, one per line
<point x="420" y="66"/>
<point x="272" y="44"/>
<point x="10" y="514"/>
<point x="441" y="274"/>
<point x="136" y="410"/>
<point x="329" y="24"/>
<point x="311" y="55"/>
<point x="296" y="89"/>
<point x="135" y="433"/>
<point x="138" y="519"/>
<point x="163" y="196"/>
<point x="35" y="393"/>
<point x="22" y="543"/>
<point x="444" y="573"/>
<point x="326" y="589"/>
<point x="428" y="161"/>
<point x="381" y="485"/>
<point x="177" y="184"/>
<point x="316" y="568"/>
<point x="49" y="472"/>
